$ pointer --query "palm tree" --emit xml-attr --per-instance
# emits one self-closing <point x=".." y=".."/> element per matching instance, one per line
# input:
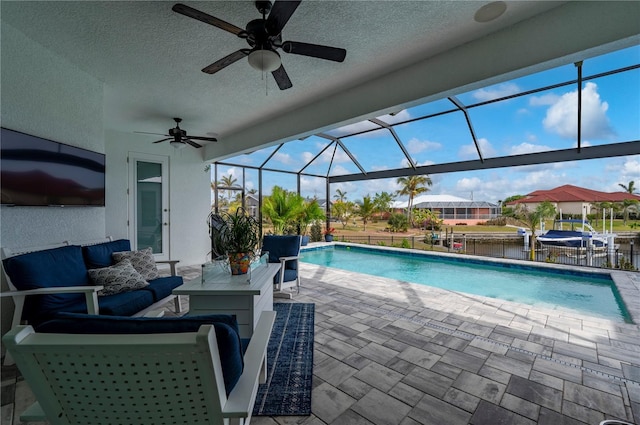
<point x="532" y="218"/>
<point x="340" y="195"/>
<point x="342" y="211"/>
<point x="599" y="207"/>
<point x="412" y="186"/>
<point x="629" y="188"/>
<point x="628" y="205"/>
<point x="228" y="182"/>
<point x="366" y="209"/>
<point x="311" y="212"/>
<point x="282" y="208"/>
<point x="383" y="201"/>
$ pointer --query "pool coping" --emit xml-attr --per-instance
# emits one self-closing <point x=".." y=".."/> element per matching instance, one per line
<point x="627" y="283"/>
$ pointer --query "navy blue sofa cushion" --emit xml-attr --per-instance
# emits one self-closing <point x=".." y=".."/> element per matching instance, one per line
<point x="229" y="344"/>
<point x="124" y="303"/>
<point x="49" y="268"/>
<point x="98" y="256"/>
<point x="163" y="286"/>
<point x="282" y="246"/>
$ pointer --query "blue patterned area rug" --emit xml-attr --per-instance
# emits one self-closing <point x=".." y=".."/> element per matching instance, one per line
<point x="287" y="391"/>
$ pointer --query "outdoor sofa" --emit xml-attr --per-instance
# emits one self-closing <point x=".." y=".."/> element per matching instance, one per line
<point x="85" y="279"/>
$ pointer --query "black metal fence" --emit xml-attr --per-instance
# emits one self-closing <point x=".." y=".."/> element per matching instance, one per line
<point x="622" y="256"/>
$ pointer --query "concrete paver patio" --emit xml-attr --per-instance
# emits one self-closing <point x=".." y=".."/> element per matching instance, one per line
<point x="389" y="352"/>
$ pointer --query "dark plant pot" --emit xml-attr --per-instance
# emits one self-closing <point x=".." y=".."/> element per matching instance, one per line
<point x="305" y="240"/>
<point x="239" y="263"/>
<point x="328" y="238"/>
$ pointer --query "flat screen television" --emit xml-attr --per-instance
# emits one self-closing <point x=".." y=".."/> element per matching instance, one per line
<point x="40" y="172"/>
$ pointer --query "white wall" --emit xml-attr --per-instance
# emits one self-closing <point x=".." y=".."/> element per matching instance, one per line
<point x="189" y="193"/>
<point x="48" y="97"/>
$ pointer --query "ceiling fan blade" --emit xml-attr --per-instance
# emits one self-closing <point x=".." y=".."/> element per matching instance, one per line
<point x="155" y="134"/>
<point x="282" y="78"/>
<point x="207" y="19"/>
<point x="224" y="62"/>
<point x="207" y="139"/>
<point x="280" y="13"/>
<point x="192" y="143"/>
<point x="314" y="50"/>
<point x="163" y="140"/>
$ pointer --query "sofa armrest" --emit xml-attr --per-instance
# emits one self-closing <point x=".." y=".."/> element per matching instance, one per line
<point x="243" y="396"/>
<point x="53" y="290"/>
<point x="171" y="263"/>
<point x="90" y="293"/>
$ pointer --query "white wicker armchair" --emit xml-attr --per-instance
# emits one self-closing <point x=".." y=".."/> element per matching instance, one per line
<point x="132" y="379"/>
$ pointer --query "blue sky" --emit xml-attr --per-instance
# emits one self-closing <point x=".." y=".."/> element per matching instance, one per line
<point x="542" y="121"/>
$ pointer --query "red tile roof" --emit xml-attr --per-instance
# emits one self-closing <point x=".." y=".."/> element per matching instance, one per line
<point x="569" y="193"/>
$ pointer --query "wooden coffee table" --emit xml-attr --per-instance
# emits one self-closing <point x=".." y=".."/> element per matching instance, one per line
<point x="221" y="293"/>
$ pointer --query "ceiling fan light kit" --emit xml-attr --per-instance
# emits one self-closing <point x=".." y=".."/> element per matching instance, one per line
<point x="264" y="60"/>
<point x="264" y="36"/>
<point x="177" y="145"/>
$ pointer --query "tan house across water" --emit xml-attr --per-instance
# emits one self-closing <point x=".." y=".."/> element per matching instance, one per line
<point x="570" y="199"/>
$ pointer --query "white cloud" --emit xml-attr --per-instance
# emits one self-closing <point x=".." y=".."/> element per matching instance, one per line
<point x="312" y="185"/>
<point x="416" y="146"/>
<point x="405" y="164"/>
<point x="306" y="156"/>
<point x="327" y="156"/>
<point x="338" y="170"/>
<point x="622" y="170"/>
<point x="468" y="184"/>
<point x="356" y="128"/>
<point x="544" y="100"/>
<point x="379" y="167"/>
<point x="284" y="158"/>
<point x="524" y="148"/>
<point x="631" y="167"/>
<point x="470" y="152"/>
<point x="562" y="118"/>
<point x="495" y="92"/>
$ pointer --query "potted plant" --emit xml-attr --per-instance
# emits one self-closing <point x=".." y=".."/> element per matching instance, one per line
<point x="328" y="234"/>
<point x="236" y="236"/>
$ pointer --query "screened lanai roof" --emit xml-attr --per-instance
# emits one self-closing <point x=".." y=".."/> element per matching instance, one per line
<point x="583" y="110"/>
<point x="443" y="201"/>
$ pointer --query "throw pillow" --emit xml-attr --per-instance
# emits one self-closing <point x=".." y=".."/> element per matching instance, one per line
<point x="142" y="261"/>
<point x="121" y="277"/>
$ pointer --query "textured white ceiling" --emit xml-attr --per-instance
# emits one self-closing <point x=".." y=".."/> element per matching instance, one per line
<point x="150" y="57"/>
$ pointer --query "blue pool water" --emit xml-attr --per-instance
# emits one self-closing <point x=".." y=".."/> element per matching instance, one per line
<point x="591" y="294"/>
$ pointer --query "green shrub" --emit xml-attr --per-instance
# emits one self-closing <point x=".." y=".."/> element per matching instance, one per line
<point x="316" y="232"/>
<point x="398" y="222"/>
<point x="498" y="221"/>
<point x="405" y="244"/>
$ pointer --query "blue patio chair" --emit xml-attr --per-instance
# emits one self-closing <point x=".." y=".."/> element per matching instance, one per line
<point x="286" y="251"/>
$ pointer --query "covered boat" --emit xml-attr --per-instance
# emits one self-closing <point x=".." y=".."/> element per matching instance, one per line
<point x="577" y="234"/>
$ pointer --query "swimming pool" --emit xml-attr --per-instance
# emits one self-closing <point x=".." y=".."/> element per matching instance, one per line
<point x="587" y="293"/>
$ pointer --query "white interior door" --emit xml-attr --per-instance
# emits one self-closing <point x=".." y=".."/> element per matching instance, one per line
<point x="149" y="203"/>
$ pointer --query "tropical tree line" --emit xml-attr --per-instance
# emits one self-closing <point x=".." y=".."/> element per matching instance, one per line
<point x="289" y="212"/>
<point x="380" y="205"/>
